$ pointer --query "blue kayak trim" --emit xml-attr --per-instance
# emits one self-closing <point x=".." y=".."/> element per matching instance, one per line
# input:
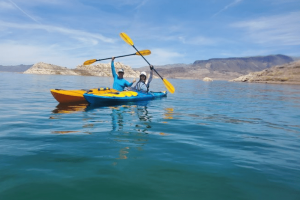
<point x="106" y="100"/>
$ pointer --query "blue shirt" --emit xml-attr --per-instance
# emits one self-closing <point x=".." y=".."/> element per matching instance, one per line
<point x="119" y="83"/>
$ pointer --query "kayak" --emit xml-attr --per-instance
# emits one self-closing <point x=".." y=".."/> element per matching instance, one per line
<point x="121" y="97"/>
<point x="71" y="96"/>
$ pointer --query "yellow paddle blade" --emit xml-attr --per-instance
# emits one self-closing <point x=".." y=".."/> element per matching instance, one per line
<point x="126" y="38"/>
<point x="88" y="62"/>
<point x="144" y="52"/>
<point x="169" y="86"/>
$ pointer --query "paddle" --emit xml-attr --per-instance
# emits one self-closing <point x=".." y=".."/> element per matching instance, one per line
<point x="168" y="85"/>
<point x="141" y="53"/>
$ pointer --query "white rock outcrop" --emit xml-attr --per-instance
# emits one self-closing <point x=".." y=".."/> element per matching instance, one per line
<point x="100" y="69"/>
<point x="104" y="69"/>
<point x="44" y="68"/>
<point x="207" y="79"/>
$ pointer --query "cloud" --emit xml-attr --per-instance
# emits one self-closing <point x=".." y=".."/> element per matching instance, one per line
<point x="13" y="53"/>
<point x="57" y="29"/>
<point x="141" y="4"/>
<point x="228" y="6"/>
<point x="198" y="40"/>
<point x="6" y="6"/>
<point x="24" y="12"/>
<point x="161" y="56"/>
<point x="273" y="30"/>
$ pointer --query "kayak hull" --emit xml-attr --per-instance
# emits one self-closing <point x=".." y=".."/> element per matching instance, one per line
<point x="76" y="96"/>
<point x="121" y="97"/>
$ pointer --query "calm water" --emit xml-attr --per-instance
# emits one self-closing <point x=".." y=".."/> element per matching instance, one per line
<point x="216" y="140"/>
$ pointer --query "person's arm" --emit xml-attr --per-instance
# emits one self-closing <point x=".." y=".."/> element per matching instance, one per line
<point x="151" y="76"/>
<point x="127" y="84"/>
<point x="113" y="70"/>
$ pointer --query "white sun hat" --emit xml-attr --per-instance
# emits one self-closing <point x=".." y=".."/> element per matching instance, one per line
<point x="143" y="73"/>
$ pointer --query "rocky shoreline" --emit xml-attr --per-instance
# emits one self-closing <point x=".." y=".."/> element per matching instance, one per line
<point x="101" y="69"/>
<point x="213" y="69"/>
<point x="282" y="74"/>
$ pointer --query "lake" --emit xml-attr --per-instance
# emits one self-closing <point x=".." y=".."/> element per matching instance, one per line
<point x="208" y="140"/>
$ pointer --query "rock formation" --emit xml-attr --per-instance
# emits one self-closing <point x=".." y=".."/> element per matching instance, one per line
<point x="287" y="73"/>
<point x="207" y="79"/>
<point x="221" y="68"/>
<point x="217" y="69"/>
<point x="104" y="69"/>
<point x="44" y="68"/>
<point x="81" y="70"/>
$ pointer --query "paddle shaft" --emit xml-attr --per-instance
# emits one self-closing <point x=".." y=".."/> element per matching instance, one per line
<point x="147" y="62"/>
<point x="118" y="56"/>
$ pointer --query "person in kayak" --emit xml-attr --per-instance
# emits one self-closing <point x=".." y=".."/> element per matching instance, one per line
<point x="143" y="84"/>
<point x="119" y="82"/>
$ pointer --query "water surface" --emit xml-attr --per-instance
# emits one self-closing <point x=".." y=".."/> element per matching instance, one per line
<point x="216" y="140"/>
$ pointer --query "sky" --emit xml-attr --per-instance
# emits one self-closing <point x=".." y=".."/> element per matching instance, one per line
<point x="68" y="32"/>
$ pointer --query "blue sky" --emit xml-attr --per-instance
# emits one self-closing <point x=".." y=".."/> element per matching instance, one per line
<point x="68" y="32"/>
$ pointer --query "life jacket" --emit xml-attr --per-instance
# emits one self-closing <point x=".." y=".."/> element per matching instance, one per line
<point x="139" y="85"/>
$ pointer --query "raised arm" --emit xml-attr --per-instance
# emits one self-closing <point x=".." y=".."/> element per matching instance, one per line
<point x="113" y="70"/>
<point x="151" y="76"/>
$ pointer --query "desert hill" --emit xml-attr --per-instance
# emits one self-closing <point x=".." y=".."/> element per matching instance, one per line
<point x="287" y="73"/>
<point x="220" y="68"/>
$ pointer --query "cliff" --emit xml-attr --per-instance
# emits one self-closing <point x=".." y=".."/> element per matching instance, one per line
<point x="217" y="69"/>
<point x="220" y="68"/>
<point x="50" y="69"/>
<point x="287" y="73"/>
<point x="104" y="69"/>
<point x="100" y="69"/>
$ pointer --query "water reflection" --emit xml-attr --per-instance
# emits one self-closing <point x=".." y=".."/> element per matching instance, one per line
<point x="169" y="113"/>
<point x="130" y="124"/>
<point x="126" y="125"/>
<point x="70" y="108"/>
<point x="129" y="114"/>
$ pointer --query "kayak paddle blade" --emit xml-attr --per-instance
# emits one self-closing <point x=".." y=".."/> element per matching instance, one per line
<point x="169" y="86"/>
<point x="126" y="38"/>
<point x="144" y="52"/>
<point x="88" y="62"/>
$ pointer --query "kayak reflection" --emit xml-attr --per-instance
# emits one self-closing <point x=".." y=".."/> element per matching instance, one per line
<point x="130" y="126"/>
<point x="135" y="111"/>
<point x="70" y="108"/>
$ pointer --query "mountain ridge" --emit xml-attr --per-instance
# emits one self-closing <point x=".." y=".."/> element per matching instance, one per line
<point x="221" y="68"/>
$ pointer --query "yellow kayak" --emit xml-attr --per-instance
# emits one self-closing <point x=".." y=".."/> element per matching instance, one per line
<point x="72" y="96"/>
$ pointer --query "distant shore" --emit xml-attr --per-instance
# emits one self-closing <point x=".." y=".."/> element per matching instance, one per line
<point x="283" y="74"/>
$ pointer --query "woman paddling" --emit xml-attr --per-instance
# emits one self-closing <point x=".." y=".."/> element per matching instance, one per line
<point x="143" y="84"/>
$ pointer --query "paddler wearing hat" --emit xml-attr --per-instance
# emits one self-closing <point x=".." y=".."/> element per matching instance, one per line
<point x="143" y="84"/>
<point x="119" y="82"/>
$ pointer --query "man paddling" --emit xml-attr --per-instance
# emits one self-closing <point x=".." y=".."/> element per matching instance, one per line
<point x="119" y="82"/>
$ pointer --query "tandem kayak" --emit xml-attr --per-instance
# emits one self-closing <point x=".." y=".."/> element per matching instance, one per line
<point x="121" y="97"/>
<point x="72" y="96"/>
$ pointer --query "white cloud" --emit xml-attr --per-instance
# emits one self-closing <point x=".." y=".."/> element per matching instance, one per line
<point x="228" y="6"/>
<point x="198" y="40"/>
<point x="12" y="53"/>
<point x="274" y="30"/>
<point x="69" y="32"/>
<point x="162" y="56"/>
<point x="141" y="4"/>
<point x="6" y="6"/>
<point x="31" y="17"/>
